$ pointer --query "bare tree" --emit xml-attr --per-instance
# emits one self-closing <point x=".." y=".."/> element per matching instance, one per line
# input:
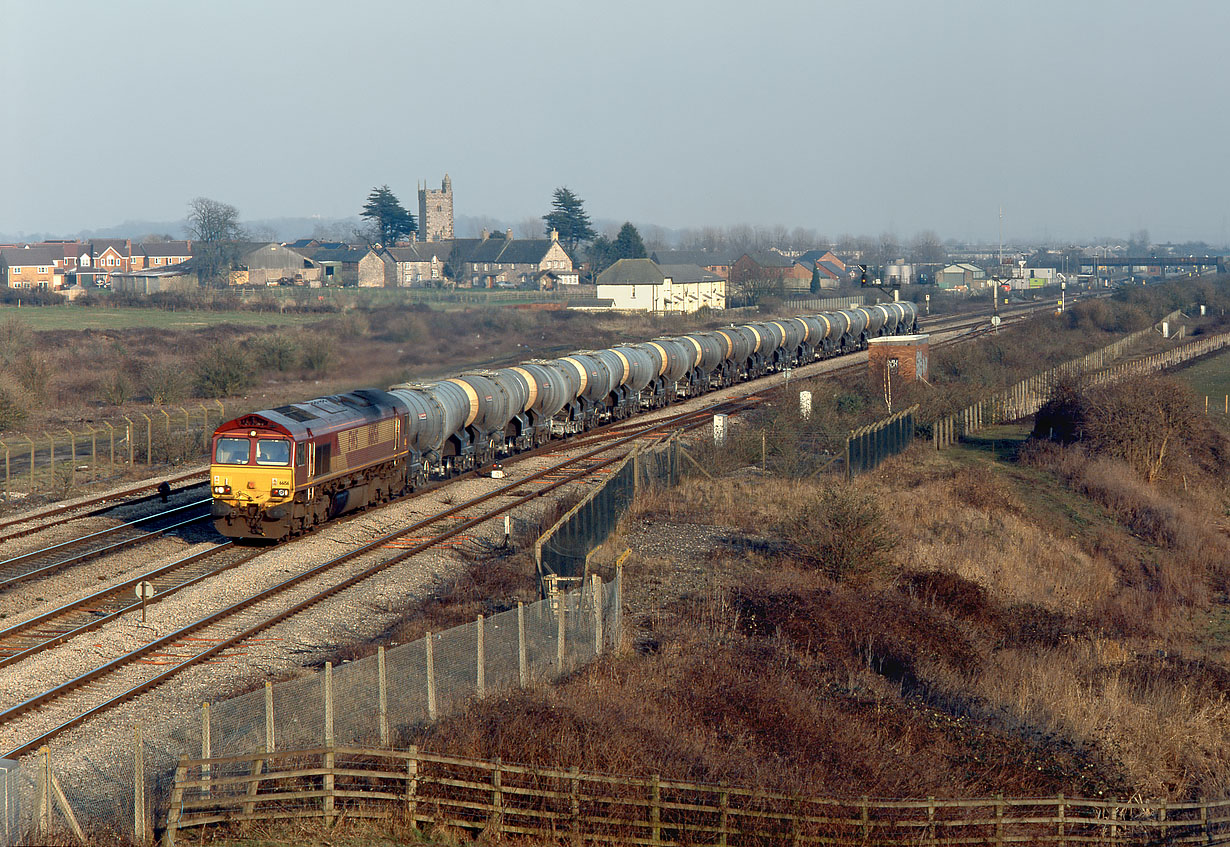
<point x="926" y="248"/>
<point x="214" y="228"/>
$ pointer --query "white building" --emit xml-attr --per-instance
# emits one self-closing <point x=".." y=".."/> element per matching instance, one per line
<point x="644" y="285"/>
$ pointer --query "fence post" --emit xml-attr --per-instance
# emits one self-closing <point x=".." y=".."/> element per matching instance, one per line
<point x="596" y="582"/>
<point x="139" y="828"/>
<point x="931" y="817"/>
<point x="44" y="791"/>
<point x="149" y="439"/>
<point x="130" y="434"/>
<point x="206" y="748"/>
<point x="72" y="456"/>
<point x="655" y="808"/>
<point x="618" y="616"/>
<point x="522" y="663"/>
<point x="6" y="468"/>
<point x="431" y="678"/>
<point x="497" y="801"/>
<point x="865" y="817"/>
<point x="1060" y="810"/>
<point x="269" y="739"/>
<point x="382" y="701"/>
<point x="560" y="598"/>
<point x="412" y="785"/>
<point x="177" y="804"/>
<point x="480" y="659"/>
<point x="574" y="803"/>
<point x="328" y="800"/>
<point x="724" y="819"/>
<point x="999" y="818"/>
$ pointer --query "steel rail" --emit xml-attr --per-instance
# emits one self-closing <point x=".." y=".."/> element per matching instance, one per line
<point x="9" y="582"/>
<point x="373" y="546"/>
<point x="104" y="498"/>
<point x="17" y="631"/>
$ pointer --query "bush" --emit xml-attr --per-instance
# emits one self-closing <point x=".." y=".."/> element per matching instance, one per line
<point x="318" y="352"/>
<point x="164" y="384"/>
<point x="116" y="389"/>
<point x="222" y="370"/>
<point x="277" y="353"/>
<point x="843" y="533"/>
<point x="14" y="408"/>
<point x="15" y="339"/>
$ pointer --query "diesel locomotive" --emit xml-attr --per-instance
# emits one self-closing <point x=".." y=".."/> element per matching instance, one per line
<point x="279" y="472"/>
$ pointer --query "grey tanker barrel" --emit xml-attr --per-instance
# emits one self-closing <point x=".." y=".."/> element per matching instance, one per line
<point x="715" y="349"/>
<point x="877" y="316"/>
<point x="657" y="357"/>
<point x="909" y="315"/>
<point x="856" y="323"/>
<point x="752" y="339"/>
<point x="793" y="331"/>
<point x="617" y="367"/>
<point x="427" y="420"/>
<point x="817" y="328"/>
<point x="895" y="315"/>
<point x="551" y="387"/>
<point x="516" y="383"/>
<point x="679" y="358"/>
<point x="774" y="336"/>
<point x="739" y="345"/>
<point x="490" y="405"/>
<point x="642" y="366"/>
<point x="594" y="374"/>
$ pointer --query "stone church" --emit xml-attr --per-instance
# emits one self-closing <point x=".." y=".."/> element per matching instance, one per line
<point x="436" y="212"/>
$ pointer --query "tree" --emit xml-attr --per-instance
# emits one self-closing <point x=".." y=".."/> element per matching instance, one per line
<point x="568" y="218"/>
<point x="214" y="228"/>
<point x="387" y="217"/>
<point x="815" y="279"/>
<point x="628" y="244"/>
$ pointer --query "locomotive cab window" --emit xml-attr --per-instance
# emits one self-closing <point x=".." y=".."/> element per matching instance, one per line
<point x="232" y="451"/>
<point x="273" y="451"/>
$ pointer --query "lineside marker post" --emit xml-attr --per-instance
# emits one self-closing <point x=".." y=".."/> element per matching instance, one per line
<point x="522" y="664"/>
<point x="382" y="697"/>
<point x="480" y="662"/>
<point x="431" y="677"/>
<point x="269" y="739"/>
<point x="206" y="748"/>
<point x="140" y="830"/>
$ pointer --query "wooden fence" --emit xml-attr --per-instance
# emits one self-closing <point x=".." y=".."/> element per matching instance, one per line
<point x="560" y="804"/>
<point x="1028" y="396"/>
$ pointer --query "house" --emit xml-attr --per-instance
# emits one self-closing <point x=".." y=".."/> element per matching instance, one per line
<point x="268" y="263"/>
<point x="161" y="254"/>
<point x="961" y="276"/>
<point x="643" y="285"/>
<point x="771" y="265"/>
<point x="338" y="265"/>
<point x="418" y="265"/>
<point x="711" y="260"/>
<point x="510" y="262"/>
<point x="32" y="267"/>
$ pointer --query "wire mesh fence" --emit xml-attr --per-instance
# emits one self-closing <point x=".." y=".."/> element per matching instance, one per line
<point x="67" y="791"/>
<point x="57" y="463"/>
<point x="562" y="551"/>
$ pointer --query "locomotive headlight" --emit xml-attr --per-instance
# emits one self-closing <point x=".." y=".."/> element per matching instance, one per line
<point x="281" y="492"/>
<point x="222" y="489"/>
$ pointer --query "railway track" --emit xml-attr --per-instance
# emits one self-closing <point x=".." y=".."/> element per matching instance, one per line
<point x="125" y="677"/>
<point x="48" y="560"/>
<point x="58" y="515"/>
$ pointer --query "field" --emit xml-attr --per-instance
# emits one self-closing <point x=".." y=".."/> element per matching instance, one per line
<point x="1210" y="378"/>
<point x="43" y="318"/>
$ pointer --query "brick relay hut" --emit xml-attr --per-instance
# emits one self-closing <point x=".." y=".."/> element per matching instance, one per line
<point x="897" y="357"/>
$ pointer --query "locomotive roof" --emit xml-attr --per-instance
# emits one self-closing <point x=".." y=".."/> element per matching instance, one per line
<point x="325" y="415"/>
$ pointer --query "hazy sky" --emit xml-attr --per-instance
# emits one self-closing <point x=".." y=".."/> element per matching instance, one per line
<point x="1081" y="118"/>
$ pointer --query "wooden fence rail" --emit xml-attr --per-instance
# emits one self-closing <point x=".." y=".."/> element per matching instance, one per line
<point x="1030" y="394"/>
<point x="567" y="804"/>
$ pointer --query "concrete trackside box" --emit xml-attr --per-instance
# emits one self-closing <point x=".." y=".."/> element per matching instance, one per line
<point x="899" y="357"/>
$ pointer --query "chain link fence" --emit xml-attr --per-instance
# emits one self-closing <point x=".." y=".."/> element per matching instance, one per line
<point x="70" y="792"/>
<point x="563" y="550"/>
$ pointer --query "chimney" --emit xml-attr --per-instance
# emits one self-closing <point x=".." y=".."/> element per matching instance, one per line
<point x="508" y="233"/>
<point x="485" y="235"/>
<point x="555" y="235"/>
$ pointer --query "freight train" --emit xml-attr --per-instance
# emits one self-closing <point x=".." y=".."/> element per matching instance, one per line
<point x="279" y="472"/>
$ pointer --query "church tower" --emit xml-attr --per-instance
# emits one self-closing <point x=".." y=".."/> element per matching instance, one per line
<point x="436" y="212"/>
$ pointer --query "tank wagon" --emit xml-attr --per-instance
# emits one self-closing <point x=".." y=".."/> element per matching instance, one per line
<point x="280" y="472"/>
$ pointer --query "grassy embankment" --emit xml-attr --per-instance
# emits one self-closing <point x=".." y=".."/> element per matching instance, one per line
<point x="1007" y="616"/>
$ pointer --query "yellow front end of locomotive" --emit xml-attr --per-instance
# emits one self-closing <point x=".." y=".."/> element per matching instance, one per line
<point x="251" y="470"/>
